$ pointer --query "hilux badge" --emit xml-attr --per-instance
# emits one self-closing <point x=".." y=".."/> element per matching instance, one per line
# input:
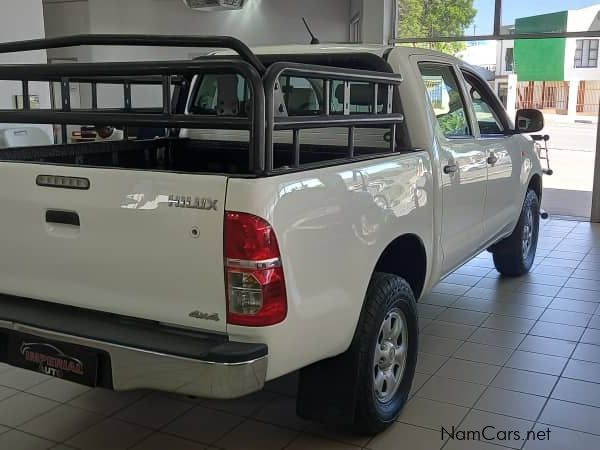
<point x="182" y="201"/>
<point x="204" y="316"/>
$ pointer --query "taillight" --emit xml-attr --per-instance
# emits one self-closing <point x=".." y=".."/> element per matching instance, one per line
<point x="255" y="285"/>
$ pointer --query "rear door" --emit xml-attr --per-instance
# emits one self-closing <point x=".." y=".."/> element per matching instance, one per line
<point x="463" y="163"/>
<point x="147" y="244"/>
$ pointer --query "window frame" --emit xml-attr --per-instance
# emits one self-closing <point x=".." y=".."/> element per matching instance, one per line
<point x="583" y="59"/>
<point x="488" y="96"/>
<point x="461" y="90"/>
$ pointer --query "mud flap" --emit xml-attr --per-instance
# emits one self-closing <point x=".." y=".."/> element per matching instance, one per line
<point x="327" y="390"/>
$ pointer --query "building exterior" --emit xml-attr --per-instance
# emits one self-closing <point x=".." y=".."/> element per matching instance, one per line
<point x="560" y="75"/>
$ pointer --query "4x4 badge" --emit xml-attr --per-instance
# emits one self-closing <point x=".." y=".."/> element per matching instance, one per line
<point x="182" y="201"/>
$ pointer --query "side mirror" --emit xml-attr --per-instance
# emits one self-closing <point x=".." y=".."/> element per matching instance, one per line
<point x="529" y="121"/>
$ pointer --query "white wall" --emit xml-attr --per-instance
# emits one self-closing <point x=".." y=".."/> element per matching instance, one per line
<point x="21" y="20"/>
<point x="580" y="20"/>
<point x="67" y="18"/>
<point x="261" y="22"/>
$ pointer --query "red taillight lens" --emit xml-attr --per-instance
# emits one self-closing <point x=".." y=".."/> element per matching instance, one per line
<point x="255" y="284"/>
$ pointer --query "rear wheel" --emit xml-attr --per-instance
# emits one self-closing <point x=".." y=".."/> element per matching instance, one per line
<point x="386" y="346"/>
<point x="514" y="255"/>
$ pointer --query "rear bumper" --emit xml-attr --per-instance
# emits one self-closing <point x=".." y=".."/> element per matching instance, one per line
<point x="201" y="365"/>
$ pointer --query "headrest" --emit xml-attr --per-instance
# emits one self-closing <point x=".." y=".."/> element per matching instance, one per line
<point x="361" y="94"/>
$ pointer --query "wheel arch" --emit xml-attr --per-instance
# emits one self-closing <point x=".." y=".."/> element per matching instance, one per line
<point x="535" y="183"/>
<point x="413" y="269"/>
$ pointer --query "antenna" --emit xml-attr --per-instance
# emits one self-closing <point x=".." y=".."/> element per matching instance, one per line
<point x="314" y="40"/>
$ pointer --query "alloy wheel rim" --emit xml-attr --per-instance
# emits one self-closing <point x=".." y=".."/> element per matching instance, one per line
<point x="391" y="351"/>
<point x="527" y="240"/>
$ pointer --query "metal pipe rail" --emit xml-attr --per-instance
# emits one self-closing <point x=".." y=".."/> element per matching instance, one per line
<point x="326" y="119"/>
<point x="129" y="116"/>
<point x="137" y="40"/>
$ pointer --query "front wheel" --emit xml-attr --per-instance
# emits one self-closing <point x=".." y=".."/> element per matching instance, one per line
<point x="514" y="255"/>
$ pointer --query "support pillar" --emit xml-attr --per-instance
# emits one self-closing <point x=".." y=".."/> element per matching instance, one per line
<point x="595" y="214"/>
<point x="572" y="105"/>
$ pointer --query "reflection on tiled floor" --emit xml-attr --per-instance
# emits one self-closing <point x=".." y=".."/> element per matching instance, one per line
<point x="513" y="354"/>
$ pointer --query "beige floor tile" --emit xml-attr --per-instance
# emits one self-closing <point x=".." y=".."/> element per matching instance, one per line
<point x="579" y="294"/>
<point x="203" y="425"/>
<point x="471" y="445"/>
<point x="282" y="412"/>
<point x="438" y="345"/>
<point x="244" y="406"/>
<point x="451" y="391"/>
<point x="498" y="338"/>
<point x="571" y="415"/>
<point x="418" y="381"/>
<point x="506" y="323"/>
<point x="547" y="346"/>
<point x="573" y="305"/>
<point x="17" y="440"/>
<point x="511" y="403"/>
<point x="61" y="423"/>
<point x="473" y="318"/>
<point x="23" y="407"/>
<point x="582" y="370"/>
<point x="428" y="363"/>
<point x="483" y="353"/>
<point x="154" y="411"/>
<point x="339" y="434"/>
<point x="109" y="434"/>
<point x="577" y="391"/>
<point x="566" y="317"/>
<point x="591" y="336"/>
<point x="6" y="392"/>
<point x="438" y="299"/>
<point x="409" y="436"/>
<point x="587" y="352"/>
<point x="21" y="379"/>
<point x="473" y="372"/>
<point x="561" y="439"/>
<point x="537" y="362"/>
<point x="252" y="435"/>
<point x="104" y="401"/>
<point x="160" y="441"/>
<point x="306" y="442"/>
<point x="557" y="331"/>
<point x="449" y="288"/>
<point x="449" y="330"/>
<point x="430" y="414"/>
<point x="429" y="311"/>
<point x="58" y="390"/>
<point x="524" y="381"/>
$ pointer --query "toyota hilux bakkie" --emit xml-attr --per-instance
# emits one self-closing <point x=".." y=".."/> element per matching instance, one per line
<point x="294" y="205"/>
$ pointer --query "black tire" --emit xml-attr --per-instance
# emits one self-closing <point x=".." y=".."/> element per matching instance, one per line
<point x="510" y="257"/>
<point x="386" y="295"/>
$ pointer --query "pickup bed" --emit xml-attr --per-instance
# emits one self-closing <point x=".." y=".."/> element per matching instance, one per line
<point x="298" y="204"/>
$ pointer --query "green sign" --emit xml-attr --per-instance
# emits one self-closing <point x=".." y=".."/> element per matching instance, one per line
<point x="541" y="59"/>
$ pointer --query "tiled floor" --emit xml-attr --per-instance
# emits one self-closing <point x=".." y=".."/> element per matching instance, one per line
<point x="514" y="354"/>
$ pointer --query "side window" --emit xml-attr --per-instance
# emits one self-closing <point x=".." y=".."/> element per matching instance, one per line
<point x="301" y="95"/>
<point x="214" y="88"/>
<point x="483" y="104"/>
<point x="446" y="99"/>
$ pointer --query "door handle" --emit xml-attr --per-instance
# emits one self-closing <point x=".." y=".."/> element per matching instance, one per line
<point x="62" y="217"/>
<point x="492" y="159"/>
<point x="451" y="168"/>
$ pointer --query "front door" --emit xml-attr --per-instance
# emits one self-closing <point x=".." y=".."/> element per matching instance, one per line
<point x="463" y="162"/>
<point x="503" y="153"/>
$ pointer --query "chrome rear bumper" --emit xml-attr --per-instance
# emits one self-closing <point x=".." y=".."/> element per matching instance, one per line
<point x="136" y="368"/>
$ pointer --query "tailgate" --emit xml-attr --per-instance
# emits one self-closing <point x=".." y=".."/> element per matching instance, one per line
<point x="133" y="253"/>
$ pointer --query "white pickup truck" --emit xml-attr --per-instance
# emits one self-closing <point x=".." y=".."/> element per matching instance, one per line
<point x="301" y="201"/>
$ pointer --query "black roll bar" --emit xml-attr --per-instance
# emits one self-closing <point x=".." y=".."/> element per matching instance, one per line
<point x="82" y="71"/>
<point x="325" y="119"/>
<point x="137" y="40"/>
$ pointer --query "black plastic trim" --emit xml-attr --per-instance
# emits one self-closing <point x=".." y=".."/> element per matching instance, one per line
<point x="129" y="332"/>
